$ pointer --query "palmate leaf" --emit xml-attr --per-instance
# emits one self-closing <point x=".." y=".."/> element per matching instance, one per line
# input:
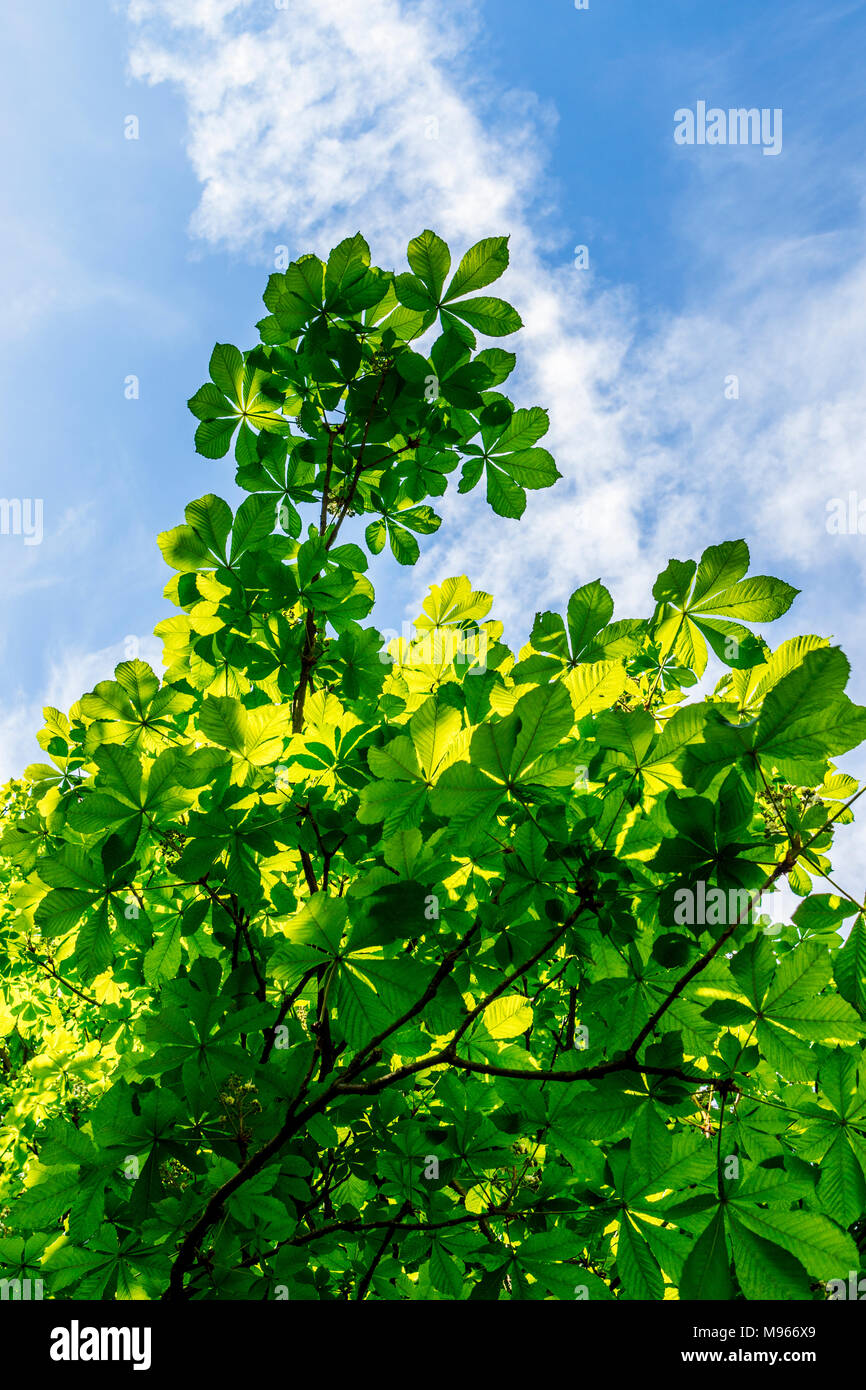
<point x="509" y="457"/>
<point x="235" y="395"/>
<point x="709" y="603"/>
<point x="794" y="1011"/>
<point x="354" y="660"/>
<point x="587" y="647"/>
<point x="451" y="603"/>
<point x="806" y="718"/>
<point x="421" y="292"/>
<point x="132" y="709"/>
<point x="397" y="527"/>
<point x="350" y="285"/>
<point x="519" y="751"/>
<point x="202" y="544"/>
<point x="408" y="766"/>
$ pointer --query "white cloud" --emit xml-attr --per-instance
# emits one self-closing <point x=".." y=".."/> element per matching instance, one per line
<point x="207" y="15"/>
<point x="331" y="110"/>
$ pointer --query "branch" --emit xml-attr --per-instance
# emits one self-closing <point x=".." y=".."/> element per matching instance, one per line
<point x="49" y="970"/>
<point x="234" y="910"/>
<point x="365" y="1282"/>
<point x="294" y="1122"/>
<point x="783" y="867"/>
<point x="327" y="486"/>
<point x="287" y="1003"/>
<point x="626" y="1063"/>
<point x="308" y="661"/>
<point x="308" y="868"/>
<point x="371" y="1054"/>
<point x="359" y="1227"/>
<point x="359" y="468"/>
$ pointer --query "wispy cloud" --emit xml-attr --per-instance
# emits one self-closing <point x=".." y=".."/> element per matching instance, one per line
<point x="339" y="113"/>
<point x="335" y="115"/>
<point x="316" y="119"/>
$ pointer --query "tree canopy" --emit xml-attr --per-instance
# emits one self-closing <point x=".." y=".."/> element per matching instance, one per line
<point x="333" y="968"/>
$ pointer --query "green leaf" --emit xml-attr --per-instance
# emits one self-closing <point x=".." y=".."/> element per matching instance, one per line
<point x="47" y="1196"/>
<point x="254" y="521"/>
<point x="183" y="549"/>
<point x="93" y="949"/>
<point x="707" y="1271"/>
<point x="211" y="519"/>
<point x="209" y="403"/>
<point x="849" y="968"/>
<point x="807" y="718"/>
<point x="481" y="265"/>
<point x="842" y="1185"/>
<point x="504" y="495"/>
<point x="758" y="600"/>
<point x="162" y="961"/>
<point x="637" y="1265"/>
<point x="404" y="546"/>
<point x="764" y="1270"/>
<point x="590" y="609"/>
<point x="227" y="371"/>
<point x="492" y="317"/>
<point x="430" y="259"/>
<point x="815" y="1241"/>
<point x="347" y="274"/>
<point x="721" y="566"/>
<point x="414" y="294"/>
<point x="223" y="720"/>
<point x="213" y="437"/>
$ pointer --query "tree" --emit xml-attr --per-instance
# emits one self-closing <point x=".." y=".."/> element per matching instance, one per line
<point x="336" y="971"/>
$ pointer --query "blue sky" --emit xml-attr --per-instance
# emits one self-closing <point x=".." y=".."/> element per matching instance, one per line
<point x="261" y="126"/>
